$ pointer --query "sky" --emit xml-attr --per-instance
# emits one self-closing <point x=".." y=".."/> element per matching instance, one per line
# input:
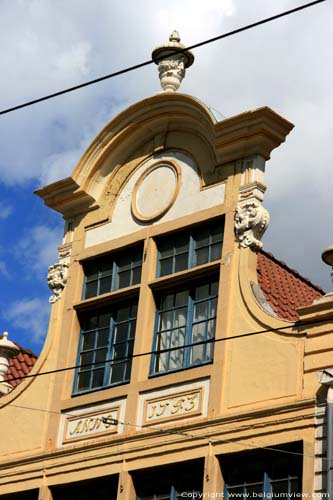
<point x="48" y="46"/>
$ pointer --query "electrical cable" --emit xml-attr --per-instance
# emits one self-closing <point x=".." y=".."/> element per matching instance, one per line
<point x="161" y="351"/>
<point x="150" y="61"/>
<point x="111" y="421"/>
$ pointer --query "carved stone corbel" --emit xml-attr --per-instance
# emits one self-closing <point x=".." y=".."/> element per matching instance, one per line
<point x="57" y="273"/>
<point x="251" y="221"/>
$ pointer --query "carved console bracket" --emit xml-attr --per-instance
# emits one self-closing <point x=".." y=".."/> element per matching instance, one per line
<point x="57" y="273"/>
<point x="251" y="218"/>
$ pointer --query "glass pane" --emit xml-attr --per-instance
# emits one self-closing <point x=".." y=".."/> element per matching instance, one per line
<point x="136" y="275"/>
<point x="214" y="288"/>
<point x="105" y="285"/>
<point x="104" y="320"/>
<point x="180" y="317"/>
<point x="199" y="332"/>
<point x="91" y="271"/>
<point x="181" y="262"/>
<point x="202" y="292"/>
<point x="117" y="373"/>
<point x="91" y="323"/>
<point x="105" y="268"/>
<point x="119" y="351"/>
<point x="178" y="337"/>
<point x="123" y="263"/>
<point x="176" y="359"/>
<point x="132" y="329"/>
<point x="215" y="251"/>
<point x="167" y="302"/>
<point x="100" y="355"/>
<point x="202" y="239"/>
<point x="87" y="358"/>
<point x="122" y="314"/>
<point x="165" y="248"/>
<point x="166" y="266"/>
<point x="134" y="310"/>
<point x="98" y="378"/>
<point x="165" y="321"/>
<point x="124" y="279"/>
<point x="181" y="298"/>
<point x="103" y="337"/>
<point x="211" y="329"/>
<point x="91" y="290"/>
<point x="213" y="304"/>
<point x="88" y="341"/>
<point x="198" y="354"/>
<point x="84" y="381"/>
<point x="202" y="256"/>
<point x="201" y="310"/>
<point x="254" y="490"/>
<point x="182" y="244"/>
<point x="120" y="334"/>
<point x="216" y="234"/>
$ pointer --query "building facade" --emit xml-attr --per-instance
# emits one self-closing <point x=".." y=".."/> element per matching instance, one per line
<point x="179" y="361"/>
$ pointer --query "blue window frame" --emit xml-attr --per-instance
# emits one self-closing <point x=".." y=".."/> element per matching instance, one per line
<point x="186" y="318"/>
<point x="106" y="347"/>
<point x="112" y="272"/>
<point x="264" y="474"/>
<point x="187" y="249"/>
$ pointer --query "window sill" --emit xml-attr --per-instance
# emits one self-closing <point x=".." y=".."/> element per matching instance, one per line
<point x="107" y="298"/>
<point x="193" y="274"/>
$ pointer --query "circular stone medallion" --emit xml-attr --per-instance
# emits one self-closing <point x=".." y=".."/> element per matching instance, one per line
<point x="155" y="191"/>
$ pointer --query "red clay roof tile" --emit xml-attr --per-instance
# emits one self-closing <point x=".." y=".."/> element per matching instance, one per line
<point x="284" y="288"/>
<point x="20" y="365"/>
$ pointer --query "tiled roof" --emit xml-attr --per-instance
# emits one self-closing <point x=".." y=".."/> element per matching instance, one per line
<point x="284" y="288"/>
<point x="20" y="365"/>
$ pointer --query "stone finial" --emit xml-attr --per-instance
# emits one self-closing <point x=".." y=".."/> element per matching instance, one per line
<point x="327" y="257"/>
<point x="172" y="59"/>
<point x="7" y="350"/>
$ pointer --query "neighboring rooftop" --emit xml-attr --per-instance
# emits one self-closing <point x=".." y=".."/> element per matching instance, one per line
<point x="284" y="288"/>
<point x="20" y="365"/>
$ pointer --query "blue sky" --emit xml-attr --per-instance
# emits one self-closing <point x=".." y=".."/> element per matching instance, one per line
<point x="48" y="46"/>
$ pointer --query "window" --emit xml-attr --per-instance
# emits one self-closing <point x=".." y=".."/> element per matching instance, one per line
<point x="106" y="347"/>
<point x="112" y="272"/>
<point x="263" y="473"/>
<point x="172" y="482"/>
<point x="104" y="488"/>
<point x="185" y="318"/>
<point x="190" y="249"/>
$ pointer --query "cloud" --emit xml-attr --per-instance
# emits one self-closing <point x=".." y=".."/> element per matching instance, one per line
<point x="5" y="211"/>
<point x="31" y="316"/>
<point x="38" y="249"/>
<point x="4" y="270"/>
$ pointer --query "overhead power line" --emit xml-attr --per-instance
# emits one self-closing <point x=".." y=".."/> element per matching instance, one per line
<point x="150" y="61"/>
<point x="162" y="351"/>
<point x="171" y="431"/>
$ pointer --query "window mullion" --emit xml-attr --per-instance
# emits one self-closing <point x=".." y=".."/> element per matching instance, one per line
<point x="267" y="488"/>
<point x="191" y="252"/>
<point x="107" y="371"/>
<point x="189" y="325"/>
<point x="114" y="275"/>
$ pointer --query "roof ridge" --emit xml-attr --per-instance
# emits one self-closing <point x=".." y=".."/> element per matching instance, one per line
<point x="282" y="264"/>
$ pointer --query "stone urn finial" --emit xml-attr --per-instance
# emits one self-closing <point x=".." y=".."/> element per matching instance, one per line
<point x="7" y="350"/>
<point x="172" y="59"/>
<point x="327" y="257"/>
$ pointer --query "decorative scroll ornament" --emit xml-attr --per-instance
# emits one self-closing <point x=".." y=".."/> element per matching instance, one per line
<point x="172" y="60"/>
<point x="251" y="221"/>
<point x="57" y="279"/>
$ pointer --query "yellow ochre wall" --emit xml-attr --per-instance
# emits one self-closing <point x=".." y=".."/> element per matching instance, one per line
<point x="254" y="394"/>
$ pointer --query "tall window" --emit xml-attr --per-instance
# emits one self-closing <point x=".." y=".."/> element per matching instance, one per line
<point x="185" y="328"/>
<point x="106" y="347"/>
<point x="263" y="474"/>
<point x="186" y="313"/>
<point x="172" y="482"/>
<point x="107" y="331"/>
